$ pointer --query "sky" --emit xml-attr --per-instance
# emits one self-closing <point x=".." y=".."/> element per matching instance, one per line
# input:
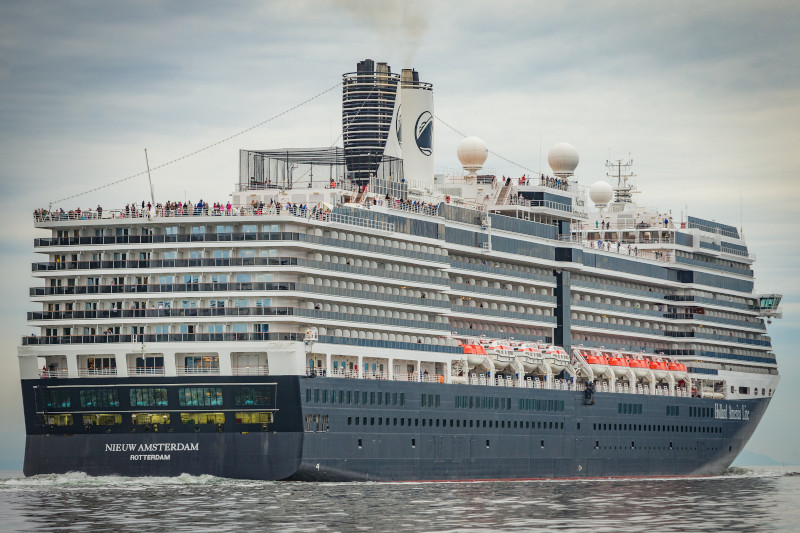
<point x="704" y="96"/>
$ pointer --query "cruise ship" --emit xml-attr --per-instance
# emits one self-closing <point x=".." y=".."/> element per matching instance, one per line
<point x="349" y="315"/>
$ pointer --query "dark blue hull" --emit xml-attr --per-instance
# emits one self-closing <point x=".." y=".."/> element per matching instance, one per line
<point x="461" y="432"/>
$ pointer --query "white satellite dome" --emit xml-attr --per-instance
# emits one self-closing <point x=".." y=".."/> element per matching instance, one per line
<point x="472" y="153"/>
<point x="563" y="159"/>
<point x="601" y="193"/>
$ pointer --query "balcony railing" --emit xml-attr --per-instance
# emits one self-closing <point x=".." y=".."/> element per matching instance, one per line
<point x="297" y="210"/>
<point x="197" y="370"/>
<point x="96" y="372"/>
<point x="57" y="373"/>
<point x="146" y="371"/>
<point x="159" y="337"/>
<point x="253" y="370"/>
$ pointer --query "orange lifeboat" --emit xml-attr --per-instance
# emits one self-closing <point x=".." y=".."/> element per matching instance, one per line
<point x="659" y="369"/>
<point x="619" y="365"/>
<point x="639" y="366"/>
<point x="597" y="362"/>
<point x="475" y="353"/>
<point x="678" y="369"/>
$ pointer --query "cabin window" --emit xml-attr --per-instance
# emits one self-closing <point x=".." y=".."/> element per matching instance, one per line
<point x="148" y="397"/>
<point x="199" y="396"/>
<point x="258" y="396"/>
<point x="202" y="418"/>
<point x="104" y="419"/>
<point x="57" y="420"/>
<point x="57" y="399"/>
<point x="255" y="417"/>
<point x="99" y="398"/>
<point x="141" y="419"/>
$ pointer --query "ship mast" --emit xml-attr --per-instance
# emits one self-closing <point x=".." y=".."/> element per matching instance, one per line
<point x="621" y="171"/>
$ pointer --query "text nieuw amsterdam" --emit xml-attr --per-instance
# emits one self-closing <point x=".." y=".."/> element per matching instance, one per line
<point x="153" y="447"/>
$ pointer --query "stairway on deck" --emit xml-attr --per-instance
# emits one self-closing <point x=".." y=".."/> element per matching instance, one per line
<point x="502" y="196"/>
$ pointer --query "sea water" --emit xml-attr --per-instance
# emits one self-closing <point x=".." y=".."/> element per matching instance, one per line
<point x="743" y="499"/>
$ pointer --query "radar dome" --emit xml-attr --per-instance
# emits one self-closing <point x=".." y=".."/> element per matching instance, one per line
<point x="472" y="153"/>
<point x="563" y="159"/>
<point x="601" y="193"/>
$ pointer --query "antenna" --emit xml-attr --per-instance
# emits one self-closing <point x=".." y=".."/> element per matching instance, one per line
<point x="741" y="221"/>
<point x="150" y="180"/>
<point x="540" y="153"/>
<point x="621" y="170"/>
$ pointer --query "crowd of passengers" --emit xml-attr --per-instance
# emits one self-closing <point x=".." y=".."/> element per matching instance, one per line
<point x="200" y="208"/>
<point x="544" y="181"/>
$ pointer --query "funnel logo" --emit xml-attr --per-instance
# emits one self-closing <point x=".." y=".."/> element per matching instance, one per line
<point x="398" y="126"/>
<point x="423" y="132"/>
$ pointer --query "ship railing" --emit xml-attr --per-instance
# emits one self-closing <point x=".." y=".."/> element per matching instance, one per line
<point x="93" y="372"/>
<point x="314" y="212"/>
<point x="147" y="371"/>
<point x="631" y="249"/>
<point x="409" y="206"/>
<point x="56" y="373"/>
<point x="548" y="204"/>
<point x="252" y="370"/>
<point x="550" y="182"/>
<point x="195" y="370"/>
<point x="377" y="374"/>
<point x="360" y="222"/>
<point x="431" y="378"/>
<point x="343" y="373"/>
<point x="406" y="376"/>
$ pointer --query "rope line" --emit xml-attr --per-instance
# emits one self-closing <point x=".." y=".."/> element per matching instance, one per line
<point x="523" y="167"/>
<point x="349" y="122"/>
<point x="185" y="156"/>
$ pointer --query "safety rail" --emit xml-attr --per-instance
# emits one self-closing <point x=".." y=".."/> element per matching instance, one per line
<point x="654" y="223"/>
<point x="254" y="370"/>
<point x="57" y="373"/>
<point x="96" y="372"/>
<point x="338" y="218"/>
<point x="546" y="181"/>
<point x="319" y="211"/>
<point x="410" y="206"/>
<point x="196" y="370"/>
<point x="548" y="204"/>
<point x="147" y="371"/>
<point x="157" y="337"/>
<point x="617" y="247"/>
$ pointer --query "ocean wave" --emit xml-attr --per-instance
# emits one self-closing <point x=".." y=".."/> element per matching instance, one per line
<point x="84" y="480"/>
